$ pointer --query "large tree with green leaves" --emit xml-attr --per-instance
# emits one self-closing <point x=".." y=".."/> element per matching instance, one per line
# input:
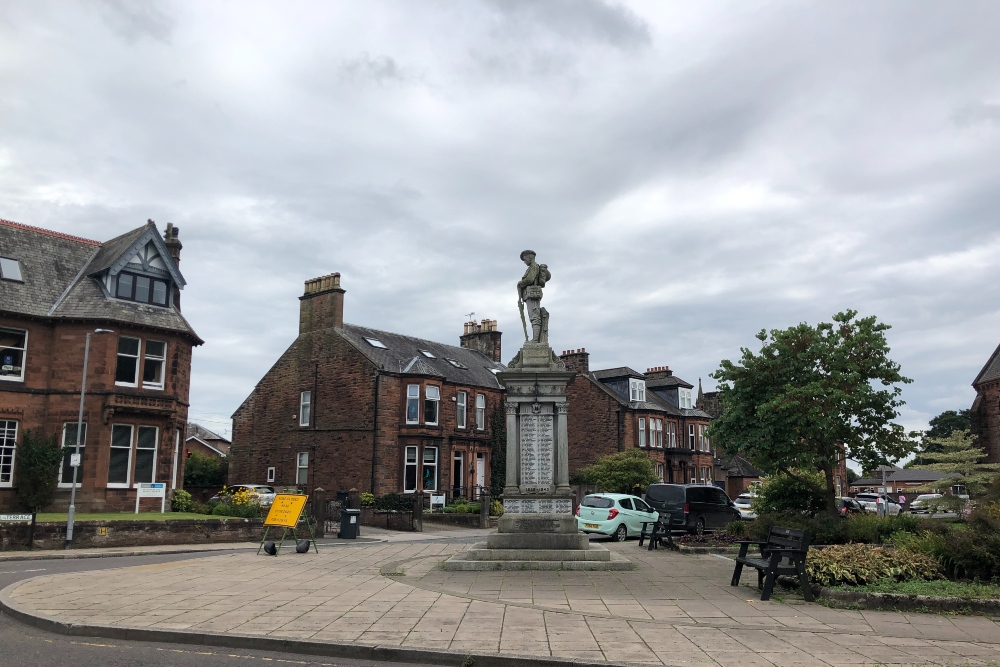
<point x="812" y="396"/>
<point x="964" y="462"/>
<point x="630" y="471"/>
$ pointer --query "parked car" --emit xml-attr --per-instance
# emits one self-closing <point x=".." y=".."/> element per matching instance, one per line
<point x="615" y="514"/>
<point x="870" y="502"/>
<point x="742" y="503"/>
<point x="923" y="503"/>
<point x="848" y="506"/>
<point x="261" y="492"/>
<point x="693" y="507"/>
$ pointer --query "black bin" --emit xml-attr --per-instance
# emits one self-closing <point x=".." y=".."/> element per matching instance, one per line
<point x="350" y="521"/>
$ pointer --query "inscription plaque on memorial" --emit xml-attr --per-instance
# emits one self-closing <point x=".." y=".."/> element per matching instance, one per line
<point x="537" y="448"/>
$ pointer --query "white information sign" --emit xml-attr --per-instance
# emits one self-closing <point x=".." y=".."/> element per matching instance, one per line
<point x="74" y="460"/>
<point x="437" y="502"/>
<point x="151" y="490"/>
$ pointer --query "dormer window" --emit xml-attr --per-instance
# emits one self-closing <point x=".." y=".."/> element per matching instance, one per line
<point x="375" y="342"/>
<point x="143" y="289"/>
<point x="637" y="390"/>
<point x="684" y="398"/>
<point x="10" y="269"/>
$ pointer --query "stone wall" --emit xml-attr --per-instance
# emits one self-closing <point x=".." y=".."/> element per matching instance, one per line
<point x="986" y="419"/>
<point x="48" y="535"/>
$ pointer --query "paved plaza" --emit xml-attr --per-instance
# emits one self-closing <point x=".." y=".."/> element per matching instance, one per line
<point x="674" y="609"/>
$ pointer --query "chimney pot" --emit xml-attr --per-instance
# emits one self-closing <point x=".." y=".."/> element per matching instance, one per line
<point x="321" y="305"/>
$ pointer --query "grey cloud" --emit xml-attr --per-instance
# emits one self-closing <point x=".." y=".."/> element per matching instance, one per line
<point x="380" y="69"/>
<point x="135" y="19"/>
<point x="980" y="113"/>
<point x="581" y="21"/>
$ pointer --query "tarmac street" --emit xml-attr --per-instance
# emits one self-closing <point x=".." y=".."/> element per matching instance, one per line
<point x="674" y="609"/>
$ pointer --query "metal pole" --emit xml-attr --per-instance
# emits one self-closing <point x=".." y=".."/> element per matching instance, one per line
<point x="79" y="427"/>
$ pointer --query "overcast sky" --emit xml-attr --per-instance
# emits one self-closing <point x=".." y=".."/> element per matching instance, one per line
<point x="690" y="172"/>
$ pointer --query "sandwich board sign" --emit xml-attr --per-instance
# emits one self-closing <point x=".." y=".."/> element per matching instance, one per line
<point x="285" y="513"/>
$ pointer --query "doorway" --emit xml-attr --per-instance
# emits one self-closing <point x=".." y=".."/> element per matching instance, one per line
<point x="457" y="474"/>
<point x="480" y="472"/>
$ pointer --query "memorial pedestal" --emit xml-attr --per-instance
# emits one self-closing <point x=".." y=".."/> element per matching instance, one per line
<point x="538" y="530"/>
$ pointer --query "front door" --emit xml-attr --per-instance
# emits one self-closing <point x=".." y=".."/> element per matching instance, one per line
<point x="457" y="475"/>
<point x="480" y="471"/>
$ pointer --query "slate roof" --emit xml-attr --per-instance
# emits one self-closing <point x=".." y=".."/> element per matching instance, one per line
<point x="991" y="371"/>
<point x="58" y="272"/>
<point x="198" y="431"/>
<point x="671" y="381"/>
<point x="903" y="475"/>
<point x="620" y="372"/>
<point x="737" y="466"/>
<point x="403" y="352"/>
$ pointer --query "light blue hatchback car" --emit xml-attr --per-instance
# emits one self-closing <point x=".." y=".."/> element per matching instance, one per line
<point x="615" y="514"/>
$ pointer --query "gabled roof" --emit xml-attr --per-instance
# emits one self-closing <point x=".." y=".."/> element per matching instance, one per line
<point x="57" y="269"/>
<point x="405" y="352"/>
<point x="194" y="430"/>
<point x="737" y="466"/>
<point x="991" y="371"/>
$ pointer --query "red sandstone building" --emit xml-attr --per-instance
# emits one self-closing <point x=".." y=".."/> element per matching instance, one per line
<point x="985" y="411"/>
<point x="56" y="288"/>
<point x="616" y="409"/>
<point x="347" y="407"/>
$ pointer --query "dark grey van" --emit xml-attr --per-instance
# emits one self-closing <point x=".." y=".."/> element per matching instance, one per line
<point x="694" y="507"/>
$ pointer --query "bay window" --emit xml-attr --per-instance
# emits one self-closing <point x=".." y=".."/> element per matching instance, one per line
<point x="8" y="444"/>
<point x="121" y="455"/>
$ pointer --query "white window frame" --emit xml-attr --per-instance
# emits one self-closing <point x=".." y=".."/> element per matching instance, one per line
<point x="71" y="445"/>
<point x="412" y="398"/>
<point x="138" y="358"/>
<point x="8" y="434"/>
<point x="684" y="398"/>
<point x="424" y="465"/>
<point x="432" y="397"/>
<point x="637" y="390"/>
<point x="302" y="468"/>
<point x="692" y="442"/>
<point x="480" y="412"/>
<point x="146" y="358"/>
<point x="128" y="465"/>
<point x="672" y="435"/>
<point x="411" y="462"/>
<point x="642" y="431"/>
<point x="135" y="458"/>
<point x="462" y="408"/>
<point x="24" y="355"/>
<point x="305" y="407"/>
<point x="270" y="474"/>
<point x="659" y="434"/>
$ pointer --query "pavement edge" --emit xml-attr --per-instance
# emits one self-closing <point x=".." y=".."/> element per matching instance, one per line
<point x="372" y="652"/>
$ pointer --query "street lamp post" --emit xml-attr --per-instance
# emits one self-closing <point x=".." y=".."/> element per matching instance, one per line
<point x="79" y="428"/>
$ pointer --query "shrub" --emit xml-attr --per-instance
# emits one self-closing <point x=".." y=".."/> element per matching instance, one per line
<point x="204" y="470"/>
<point x="873" y="529"/>
<point x="181" y="502"/>
<point x="496" y="508"/>
<point x="823" y="529"/>
<point x="858" y="564"/>
<point x="37" y="462"/>
<point x="737" y="528"/>
<point x="367" y="499"/>
<point x="782" y="493"/>
<point x="630" y="471"/>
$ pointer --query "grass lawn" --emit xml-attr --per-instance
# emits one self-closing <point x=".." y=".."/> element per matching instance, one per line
<point x="939" y="588"/>
<point x="124" y="516"/>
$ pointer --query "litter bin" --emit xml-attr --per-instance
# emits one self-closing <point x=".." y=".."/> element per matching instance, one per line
<point x="350" y="520"/>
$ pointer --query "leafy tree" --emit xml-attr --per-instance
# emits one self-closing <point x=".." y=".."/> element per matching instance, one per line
<point x="782" y="493"/>
<point x="852" y="476"/>
<point x="630" y="471"/>
<point x="204" y="470"/>
<point x="941" y="427"/>
<point x="811" y="397"/>
<point x="38" y="460"/>
<point x="959" y="456"/>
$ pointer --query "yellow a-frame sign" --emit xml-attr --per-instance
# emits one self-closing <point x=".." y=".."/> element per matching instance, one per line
<point x="285" y="512"/>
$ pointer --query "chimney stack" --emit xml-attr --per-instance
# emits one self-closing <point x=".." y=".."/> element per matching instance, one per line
<point x="174" y="248"/>
<point x="658" y="373"/>
<point x="322" y="304"/>
<point x="483" y="337"/>
<point x="576" y="360"/>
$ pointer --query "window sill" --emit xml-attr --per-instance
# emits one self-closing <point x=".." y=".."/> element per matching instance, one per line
<point x="68" y="485"/>
<point x="134" y="385"/>
<point x="7" y="378"/>
<point x="118" y="485"/>
<point x="154" y="387"/>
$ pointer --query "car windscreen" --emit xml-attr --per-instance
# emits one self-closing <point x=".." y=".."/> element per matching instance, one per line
<point x="597" y="501"/>
<point x="743" y="500"/>
<point x="665" y="493"/>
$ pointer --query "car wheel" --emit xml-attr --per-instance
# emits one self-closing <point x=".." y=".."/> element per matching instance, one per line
<point x="621" y="533"/>
<point x="699" y="526"/>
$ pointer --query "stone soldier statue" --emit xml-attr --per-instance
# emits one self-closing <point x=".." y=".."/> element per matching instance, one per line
<point x="529" y="292"/>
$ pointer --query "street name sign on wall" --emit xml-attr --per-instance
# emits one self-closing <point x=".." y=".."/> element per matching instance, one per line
<point x="15" y="517"/>
<point x="285" y="510"/>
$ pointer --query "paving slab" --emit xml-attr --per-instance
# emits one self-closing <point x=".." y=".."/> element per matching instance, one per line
<point x="392" y="596"/>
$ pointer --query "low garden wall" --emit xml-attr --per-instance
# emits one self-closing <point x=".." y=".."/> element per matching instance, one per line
<point x="50" y="535"/>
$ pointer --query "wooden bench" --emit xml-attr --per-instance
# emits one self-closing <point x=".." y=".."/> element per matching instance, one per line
<point x="784" y="552"/>
<point x="656" y="531"/>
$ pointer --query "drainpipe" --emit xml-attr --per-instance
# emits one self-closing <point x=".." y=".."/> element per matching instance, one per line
<point x="378" y="378"/>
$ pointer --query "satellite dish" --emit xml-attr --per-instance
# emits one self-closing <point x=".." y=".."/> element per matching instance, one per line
<point x="269" y="548"/>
